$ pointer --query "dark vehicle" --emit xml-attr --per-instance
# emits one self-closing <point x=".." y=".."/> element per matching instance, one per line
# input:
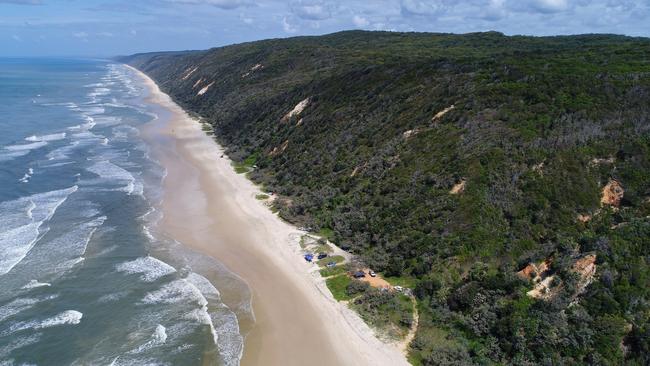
<point x="358" y="274"/>
<point x="309" y="257"/>
<point x="322" y="255"/>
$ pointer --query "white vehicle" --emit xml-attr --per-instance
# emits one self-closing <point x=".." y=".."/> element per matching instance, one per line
<point x="372" y="273"/>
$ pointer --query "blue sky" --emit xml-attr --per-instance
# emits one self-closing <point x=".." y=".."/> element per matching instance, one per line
<point x="111" y="27"/>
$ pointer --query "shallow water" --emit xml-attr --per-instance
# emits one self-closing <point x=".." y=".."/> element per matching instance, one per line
<point x="85" y="278"/>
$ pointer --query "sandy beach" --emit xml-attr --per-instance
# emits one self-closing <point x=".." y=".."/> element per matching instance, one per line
<point x="213" y="210"/>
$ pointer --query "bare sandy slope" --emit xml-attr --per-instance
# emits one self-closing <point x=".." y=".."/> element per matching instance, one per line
<point x="210" y="208"/>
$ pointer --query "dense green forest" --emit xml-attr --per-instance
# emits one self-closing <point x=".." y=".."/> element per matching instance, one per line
<point x="471" y="165"/>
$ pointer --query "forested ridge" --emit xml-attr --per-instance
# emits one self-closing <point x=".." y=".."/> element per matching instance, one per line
<point x="506" y="178"/>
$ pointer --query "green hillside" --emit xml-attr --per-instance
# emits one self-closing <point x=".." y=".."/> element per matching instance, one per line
<point x="456" y="161"/>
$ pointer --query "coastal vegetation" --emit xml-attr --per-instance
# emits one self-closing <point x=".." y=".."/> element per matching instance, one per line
<point x="338" y="285"/>
<point x="506" y="180"/>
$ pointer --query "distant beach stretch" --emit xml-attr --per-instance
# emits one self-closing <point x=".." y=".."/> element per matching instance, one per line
<point x="213" y="210"/>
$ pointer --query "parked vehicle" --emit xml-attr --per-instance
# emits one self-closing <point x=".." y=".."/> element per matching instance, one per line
<point x="309" y="257"/>
<point x="358" y="274"/>
<point x="372" y="273"/>
<point x="331" y="264"/>
<point x="322" y="255"/>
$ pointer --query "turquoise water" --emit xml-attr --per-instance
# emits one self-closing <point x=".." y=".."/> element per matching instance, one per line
<point x="84" y="276"/>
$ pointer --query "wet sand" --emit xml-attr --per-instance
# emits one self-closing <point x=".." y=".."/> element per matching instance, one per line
<point x="213" y="210"/>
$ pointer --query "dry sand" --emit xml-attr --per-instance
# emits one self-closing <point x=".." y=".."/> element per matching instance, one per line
<point x="210" y="208"/>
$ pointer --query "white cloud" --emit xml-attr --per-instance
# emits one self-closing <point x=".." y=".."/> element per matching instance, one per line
<point x="22" y="2"/>
<point x="16" y="38"/>
<point x="539" y="6"/>
<point x="246" y="19"/>
<point x="223" y="4"/>
<point x="549" y="6"/>
<point x="422" y="7"/>
<point x="360" y="21"/>
<point x="312" y="10"/>
<point x="288" y="28"/>
<point x="495" y="10"/>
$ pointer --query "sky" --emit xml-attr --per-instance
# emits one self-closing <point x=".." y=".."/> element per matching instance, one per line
<point x="118" y="27"/>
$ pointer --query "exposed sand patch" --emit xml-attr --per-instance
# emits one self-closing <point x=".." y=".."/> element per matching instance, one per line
<point x="543" y="289"/>
<point x="534" y="272"/>
<point x="586" y="268"/>
<point x="458" y="188"/>
<point x="210" y="208"/>
<point x="297" y="109"/>
<point x="376" y="281"/>
<point x="538" y="274"/>
<point x="205" y="89"/>
<point x="279" y="149"/>
<point x="600" y="161"/>
<point x="442" y="113"/>
<point x="545" y="285"/>
<point x="252" y="70"/>
<point x="612" y="193"/>
<point x="358" y="169"/>
<point x="189" y="73"/>
<point x="410" y="133"/>
<point x="584" y="217"/>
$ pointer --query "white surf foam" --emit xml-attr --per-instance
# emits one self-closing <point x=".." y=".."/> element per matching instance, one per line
<point x="175" y="292"/>
<point x="93" y="110"/>
<point x="112" y="297"/>
<point x="68" y="317"/>
<point x="16" y="344"/>
<point x="35" y="284"/>
<point x="99" y="91"/>
<point x="26" y="147"/>
<point x="107" y="121"/>
<point x="202" y="316"/>
<point x="14" y="151"/>
<point x="81" y="136"/>
<point x="51" y="259"/>
<point x="90" y="123"/>
<point x="62" y="153"/>
<point x="15" y="244"/>
<point x="150" y="268"/>
<point x="111" y="172"/>
<point x="21" y="304"/>
<point x="27" y="176"/>
<point x="15" y="307"/>
<point x="20" y="223"/>
<point x="158" y="337"/>
<point x="51" y="137"/>
<point x="203" y="284"/>
<point x="183" y="291"/>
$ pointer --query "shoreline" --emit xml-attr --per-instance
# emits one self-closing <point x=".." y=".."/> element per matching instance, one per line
<point x="212" y="209"/>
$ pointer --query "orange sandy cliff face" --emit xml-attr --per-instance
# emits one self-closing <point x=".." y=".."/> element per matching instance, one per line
<point x="612" y="193"/>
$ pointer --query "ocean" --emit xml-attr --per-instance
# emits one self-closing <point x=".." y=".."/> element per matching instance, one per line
<point x="85" y="275"/>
